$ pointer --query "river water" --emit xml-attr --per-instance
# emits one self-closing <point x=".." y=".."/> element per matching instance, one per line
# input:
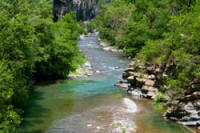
<point x="93" y="104"/>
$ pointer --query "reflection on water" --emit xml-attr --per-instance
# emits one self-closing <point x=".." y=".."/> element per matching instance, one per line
<point x="93" y="104"/>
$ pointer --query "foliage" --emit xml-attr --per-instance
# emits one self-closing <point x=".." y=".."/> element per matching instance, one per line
<point x="160" y="97"/>
<point x="156" y="32"/>
<point x="131" y="25"/>
<point x="134" y="37"/>
<point x="111" y="18"/>
<point x="181" y="47"/>
<point x="159" y="102"/>
<point x="9" y="119"/>
<point x="32" y="47"/>
<point x="60" y="55"/>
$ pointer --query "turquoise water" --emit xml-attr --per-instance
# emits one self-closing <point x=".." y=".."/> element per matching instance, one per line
<point x="93" y="104"/>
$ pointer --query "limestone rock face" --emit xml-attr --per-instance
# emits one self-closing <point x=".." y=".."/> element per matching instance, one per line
<point x="138" y="82"/>
<point x="186" y="110"/>
<point x="84" y="9"/>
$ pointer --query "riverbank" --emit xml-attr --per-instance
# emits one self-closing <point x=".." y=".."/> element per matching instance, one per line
<point x="145" y="81"/>
<point x="84" y="70"/>
<point x="109" y="48"/>
<point x="163" y="39"/>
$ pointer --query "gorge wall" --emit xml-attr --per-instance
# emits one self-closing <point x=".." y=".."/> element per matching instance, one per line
<point x="84" y="9"/>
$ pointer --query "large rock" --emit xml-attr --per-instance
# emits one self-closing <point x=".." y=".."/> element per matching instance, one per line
<point x="149" y="82"/>
<point x="141" y="84"/>
<point x="187" y="108"/>
<point x="123" y="85"/>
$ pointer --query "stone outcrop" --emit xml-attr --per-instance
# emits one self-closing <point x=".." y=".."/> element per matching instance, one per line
<point x="186" y="110"/>
<point x="84" y="9"/>
<point x="140" y="80"/>
<point x="145" y="81"/>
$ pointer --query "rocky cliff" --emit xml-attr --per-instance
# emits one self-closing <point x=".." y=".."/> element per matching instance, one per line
<point x="186" y="109"/>
<point x="84" y="9"/>
<point x="146" y="81"/>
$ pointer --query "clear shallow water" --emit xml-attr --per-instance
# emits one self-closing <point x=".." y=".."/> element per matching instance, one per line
<point x="93" y="104"/>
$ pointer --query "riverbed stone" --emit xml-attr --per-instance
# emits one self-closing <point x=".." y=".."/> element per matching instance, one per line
<point x="129" y="69"/>
<point x="149" y="82"/>
<point x="123" y="85"/>
<point x="130" y="79"/>
<point x="152" y="77"/>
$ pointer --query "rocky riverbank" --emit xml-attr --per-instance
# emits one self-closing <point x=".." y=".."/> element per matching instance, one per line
<point x="186" y="110"/>
<point x="84" y="70"/>
<point x="140" y="80"/>
<point x="105" y="46"/>
<point x="145" y="81"/>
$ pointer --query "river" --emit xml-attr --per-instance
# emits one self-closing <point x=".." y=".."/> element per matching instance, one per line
<point x="93" y="104"/>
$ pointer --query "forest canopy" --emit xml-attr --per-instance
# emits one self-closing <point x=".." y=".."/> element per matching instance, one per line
<point x="158" y="33"/>
<point x="32" y="47"/>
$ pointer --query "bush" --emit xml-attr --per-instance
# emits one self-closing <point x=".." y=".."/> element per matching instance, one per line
<point x="156" y="32"/>
<point x="32" y="47"/>
<point x="9" y="119"/>
<point x="129" y="25"/>
<point x="133" y="38"/>
<point x="181" y="47"/>
<point x="112" y="18"/>
<point x="60" y="54"/>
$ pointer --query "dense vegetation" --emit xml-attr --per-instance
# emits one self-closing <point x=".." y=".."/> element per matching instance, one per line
<point x="32" y="47"/>
<point x="156" y="32"/>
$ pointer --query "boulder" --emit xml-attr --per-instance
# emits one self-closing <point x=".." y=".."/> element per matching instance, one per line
<point x="123" y="85"/>
<point x="152" y="77"/>
<point x="142" y="80"/>
<point x="129" y="69"/>
<point x="107" y="48"/>
<point x="149" y="82"/>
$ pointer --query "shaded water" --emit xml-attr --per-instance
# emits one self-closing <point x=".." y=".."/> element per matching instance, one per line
<point x="93" y="104"/>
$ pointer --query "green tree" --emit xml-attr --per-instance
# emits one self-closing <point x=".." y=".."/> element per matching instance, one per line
<point x="32" y="46"/>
